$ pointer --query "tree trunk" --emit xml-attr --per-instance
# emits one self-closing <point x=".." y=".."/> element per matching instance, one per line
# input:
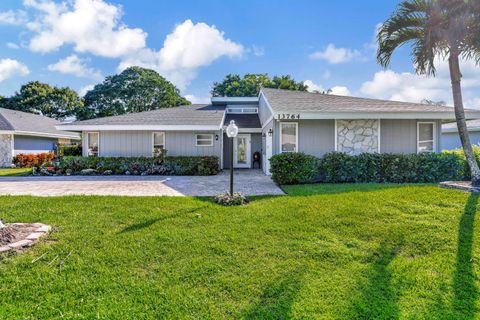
<point x="456" y="76"/>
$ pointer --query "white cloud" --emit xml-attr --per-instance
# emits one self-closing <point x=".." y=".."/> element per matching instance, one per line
<point x="10" y="68"/>
<point x="337" y="90"/>
<point x="197" y="99"/>
<point x="334" y="55"/>
<point x="90" y="25"/>
<point x="75" y="66"/>
<point x="13" y="17"/>
<point x="411" y="87"/>
<point x="12" y="45"/>
<point x="83" y="90"/>
<point x="189" y="47"/>
<point x="340" y="91"/>
<point x="258" y="51"/>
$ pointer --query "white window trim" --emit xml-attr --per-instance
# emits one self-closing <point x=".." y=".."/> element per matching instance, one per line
<point x="88" y="141"/>
<point x="153" y="140"/>
<point x="434" y="129"/>
<point x="204" y="145"/>
<point x="296" y="136"/>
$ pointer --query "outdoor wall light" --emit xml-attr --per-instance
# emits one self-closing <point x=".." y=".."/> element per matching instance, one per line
<point x="270" y="132"/>
<point x="216" y="137"/>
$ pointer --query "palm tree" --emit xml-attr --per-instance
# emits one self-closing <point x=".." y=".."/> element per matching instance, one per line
<point x="437" y="29"/>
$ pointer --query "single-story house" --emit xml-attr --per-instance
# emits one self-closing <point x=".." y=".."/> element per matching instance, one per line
<point x="22" y="132"/>
<point x="451" y="139"/>
<point x="276" y="121"/>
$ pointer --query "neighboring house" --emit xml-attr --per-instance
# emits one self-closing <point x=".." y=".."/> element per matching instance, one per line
<point x="276" y="121"/>
<point x="451" y="139"/>
<point x="22" y="132"/>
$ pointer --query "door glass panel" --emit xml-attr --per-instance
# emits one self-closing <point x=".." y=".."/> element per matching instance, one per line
<point x="241" y="150"/>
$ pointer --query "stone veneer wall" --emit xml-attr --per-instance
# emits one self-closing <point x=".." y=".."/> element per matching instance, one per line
<point x="6" y="152"/>
<point x="357" y="136"/>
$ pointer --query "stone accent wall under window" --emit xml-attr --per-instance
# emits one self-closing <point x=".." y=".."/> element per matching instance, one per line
<point x="6" y="150"/>
<point x="357" y="136"/>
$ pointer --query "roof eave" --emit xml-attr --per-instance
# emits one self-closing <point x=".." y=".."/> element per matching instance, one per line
<point x="106" y="127"/>
<point x="293" y="115"/>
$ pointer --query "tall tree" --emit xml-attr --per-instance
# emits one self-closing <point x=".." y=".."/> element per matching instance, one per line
<point x="447" y="29"/>
<point x="249" y="86"/>
<point x="43" y="99"/>
<point x="134" y="90"/>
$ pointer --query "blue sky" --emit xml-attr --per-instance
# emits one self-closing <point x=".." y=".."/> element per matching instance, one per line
<point x="329" y="44"/>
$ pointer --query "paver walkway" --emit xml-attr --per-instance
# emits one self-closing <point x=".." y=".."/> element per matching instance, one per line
<point x="249" y="182"/>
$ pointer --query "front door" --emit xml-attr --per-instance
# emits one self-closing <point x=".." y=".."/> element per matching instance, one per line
<point x="241" y="151"/>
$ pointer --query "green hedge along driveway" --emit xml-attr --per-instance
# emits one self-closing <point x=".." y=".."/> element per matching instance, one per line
<point x="324" y="251"/>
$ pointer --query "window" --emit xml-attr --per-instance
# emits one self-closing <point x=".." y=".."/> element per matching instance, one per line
<point x="204" y="140"/>
<point x="158" y="143"/>
<point x="288" y="137"/>
<point x="426" y="137"/>
<point x="93" y="141"/>
<point x="242" y="110"/>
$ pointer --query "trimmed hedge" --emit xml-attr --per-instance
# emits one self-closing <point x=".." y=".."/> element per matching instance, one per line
<point x="68" y="150"/>
<point x="197" y="166"/>
<point x="461" y="155"/>
<point x="339" y="167"/>
<point x="293" y="167"/>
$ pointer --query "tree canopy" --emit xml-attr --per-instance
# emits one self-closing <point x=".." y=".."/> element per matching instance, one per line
<point x="134" y="90"/>
<point x="233" y="85"/>
<point x="43" y="99"/>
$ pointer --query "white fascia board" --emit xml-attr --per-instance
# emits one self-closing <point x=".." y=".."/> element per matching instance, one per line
<point x="6" y="132"/>
<point x="46" y="135"/>
<point x="376" y="115"/>
<point x="80" y="127"/>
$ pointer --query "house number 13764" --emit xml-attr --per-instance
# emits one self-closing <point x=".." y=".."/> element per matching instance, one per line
<point x="287" y="116"/>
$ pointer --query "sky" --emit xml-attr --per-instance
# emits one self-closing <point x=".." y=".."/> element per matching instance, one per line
<point x="327" y="44"/>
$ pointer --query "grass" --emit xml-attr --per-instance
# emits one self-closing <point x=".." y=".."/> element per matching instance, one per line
<point x="330" y="252"/>
<point x="15" y="172"/>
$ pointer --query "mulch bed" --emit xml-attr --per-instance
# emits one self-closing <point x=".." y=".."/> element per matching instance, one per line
<point x="460" y="185"/>
<point x="15" y="232"/>
<point x="18" y="236"/>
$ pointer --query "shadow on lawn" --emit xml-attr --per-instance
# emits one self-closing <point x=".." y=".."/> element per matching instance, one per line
<point x="377" y="299"/>
<point x="464" y="288"/>
<point x="277" y="297"/>
<point x="337" y="188"/>
<point x="148" y="223"/>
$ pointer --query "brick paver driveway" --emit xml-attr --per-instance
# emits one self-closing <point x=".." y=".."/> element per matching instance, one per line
<point x="249" y="182"/>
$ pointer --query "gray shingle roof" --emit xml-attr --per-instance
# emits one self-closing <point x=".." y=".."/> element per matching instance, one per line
<point x="452" y="126"/>
<point x="243" y="120"/>
<point x="299" y="101"/>
<point x="200" y="114"/>
<point x="12" y="120"/>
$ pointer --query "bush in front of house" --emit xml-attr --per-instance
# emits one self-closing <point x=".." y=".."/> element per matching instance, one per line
<point x="66" y="150"/>
<point x="461" y="155"/>
<point x="293" y="168"/>
<point x="23" y="160"/>
<point x="337" y="167"/>
<point x="225" y="199"/>
<point x="199" y="166"/>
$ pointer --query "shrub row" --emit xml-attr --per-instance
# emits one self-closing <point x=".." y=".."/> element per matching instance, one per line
<point x="459" y="153"/>
<point x="199" y="166"/>
<point x="33" y="160"/>
<point x="67" y="150"/>
<point x="336" y="167"/>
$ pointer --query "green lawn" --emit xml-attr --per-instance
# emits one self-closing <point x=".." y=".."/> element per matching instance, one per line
<point x="329" y="252"/>
<point x="15" y="172"/>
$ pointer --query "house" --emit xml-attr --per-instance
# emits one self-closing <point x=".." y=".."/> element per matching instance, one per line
<point x="22" y="132"/>
<point x="276" y="121"/>
<point x="451" y="139"/>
